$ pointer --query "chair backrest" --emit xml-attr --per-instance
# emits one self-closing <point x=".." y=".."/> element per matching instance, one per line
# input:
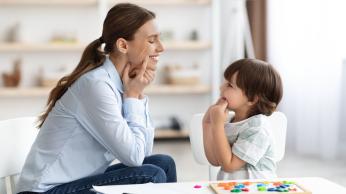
<point x="277" y="126"/>
<point x="196" y="139"/>
<point x="17" y="136"/>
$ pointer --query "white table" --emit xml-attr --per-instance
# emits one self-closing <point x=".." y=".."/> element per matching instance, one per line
<point x="316" y="185"/>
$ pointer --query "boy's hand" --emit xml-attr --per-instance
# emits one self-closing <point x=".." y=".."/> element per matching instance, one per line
<point x="206" y="122"/>
<point x="219" y="112"/>
<point x="206" y="117"/>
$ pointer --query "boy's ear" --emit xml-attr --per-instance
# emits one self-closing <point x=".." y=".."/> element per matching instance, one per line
<point x="254" y="101"/>
<point x="121" y="45"/>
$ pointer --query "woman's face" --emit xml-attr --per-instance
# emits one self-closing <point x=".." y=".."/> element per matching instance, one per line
<point x="146" y="43"/>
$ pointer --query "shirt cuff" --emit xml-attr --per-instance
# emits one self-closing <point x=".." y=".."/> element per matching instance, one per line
<point x="134" y="110"/>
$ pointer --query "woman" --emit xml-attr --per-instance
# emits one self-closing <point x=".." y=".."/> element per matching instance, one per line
<point x="99" y="113"/>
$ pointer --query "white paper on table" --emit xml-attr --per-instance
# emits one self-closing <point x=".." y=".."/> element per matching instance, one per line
<point x="134" y="189"/>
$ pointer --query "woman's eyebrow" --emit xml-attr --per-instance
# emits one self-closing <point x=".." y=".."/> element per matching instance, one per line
<point x="154" y="35"/>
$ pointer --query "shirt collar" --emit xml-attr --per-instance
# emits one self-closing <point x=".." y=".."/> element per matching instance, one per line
<point x="113" y="74"/>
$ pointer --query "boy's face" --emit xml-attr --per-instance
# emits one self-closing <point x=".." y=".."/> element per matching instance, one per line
<point x="236" y="98"/>
<point x="146" y="43"/>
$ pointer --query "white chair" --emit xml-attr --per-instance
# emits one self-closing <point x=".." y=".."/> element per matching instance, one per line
<point x="16" y="137"/>
<point x="197" y="145"/>
<point x="278" y="127"/>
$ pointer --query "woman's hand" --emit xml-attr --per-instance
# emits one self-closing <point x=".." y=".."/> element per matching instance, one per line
<point x="133" y="87"/>
<point x="218" y="112"/>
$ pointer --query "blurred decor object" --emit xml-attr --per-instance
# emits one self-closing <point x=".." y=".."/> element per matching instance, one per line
<point x="194" y="35"/>
<point x="12" y="33"/>
<point x="50" y="79"/>
<point x="179" y="75"/>
<point x="64" y="37"/>
<point x="167" y="35"/>
<point x="176" y="124"/>
<point x="168" y="123"/>
<point x="12" y="79"/>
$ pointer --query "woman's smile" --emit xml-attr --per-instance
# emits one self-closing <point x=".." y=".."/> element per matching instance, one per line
<point x="155" y="57"/>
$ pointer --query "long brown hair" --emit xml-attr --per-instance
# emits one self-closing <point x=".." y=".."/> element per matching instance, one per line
<point x="122" y="21"/>
<point x="259" y="79"/>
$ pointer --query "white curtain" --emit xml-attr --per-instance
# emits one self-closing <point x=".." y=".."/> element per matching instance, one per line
<point x="235" y="32"/>
<point x="307" y="43"/>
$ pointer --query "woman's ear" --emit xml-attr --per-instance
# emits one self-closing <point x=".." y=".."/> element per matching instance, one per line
<point x="121" y="45"/>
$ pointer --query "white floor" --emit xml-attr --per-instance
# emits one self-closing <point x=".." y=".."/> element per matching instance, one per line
<point x="292" y="165"/>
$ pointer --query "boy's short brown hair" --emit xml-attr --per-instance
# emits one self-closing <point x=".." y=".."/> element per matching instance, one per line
<point x="257" y="79"/>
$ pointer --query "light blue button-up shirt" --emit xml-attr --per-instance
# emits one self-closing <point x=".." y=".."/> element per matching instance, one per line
<point x="89" y="126"/>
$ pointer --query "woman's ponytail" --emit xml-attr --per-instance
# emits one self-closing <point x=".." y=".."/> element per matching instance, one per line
<point x="92" y="57"/>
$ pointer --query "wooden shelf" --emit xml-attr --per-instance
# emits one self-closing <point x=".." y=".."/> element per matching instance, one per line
<point x="112" y="2"/>
<point x="171" y="133"/>
<point x="164" y="2"/>
<point x="178" y="89"/>
<point x="59" y="47"/>
<point x="29" y="47"/>
<point x="48" y="2"/>
<point x="154" y="89"/>
<point x="24" y="92"/>
<point x="186" y="45"/>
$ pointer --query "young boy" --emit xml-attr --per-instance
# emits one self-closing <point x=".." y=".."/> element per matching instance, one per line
<point x="243" y="147"/>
